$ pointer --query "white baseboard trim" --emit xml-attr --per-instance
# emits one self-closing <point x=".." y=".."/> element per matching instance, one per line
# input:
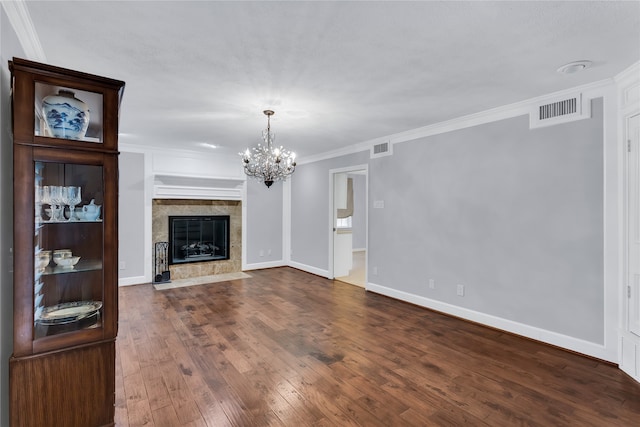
<point x="136" y="280"/>
<point x="261" y="265"/>
<point x="309" y="269"/>
<point x="570" y="343"/>
<point x="358" y="249"/>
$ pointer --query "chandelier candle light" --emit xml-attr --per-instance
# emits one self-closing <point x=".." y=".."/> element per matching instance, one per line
<point x="268" y="163"/>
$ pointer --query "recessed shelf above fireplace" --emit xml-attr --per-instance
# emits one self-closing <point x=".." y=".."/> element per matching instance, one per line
<point x="196" y="238"/>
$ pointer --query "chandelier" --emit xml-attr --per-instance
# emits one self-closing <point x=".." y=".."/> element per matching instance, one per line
<point x="268" y="163"/>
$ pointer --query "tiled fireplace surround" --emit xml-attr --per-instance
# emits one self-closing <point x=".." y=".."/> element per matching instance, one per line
<point x="163" y="208"/>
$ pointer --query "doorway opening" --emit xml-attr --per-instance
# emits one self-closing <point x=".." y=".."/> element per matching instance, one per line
<point x="349" y="224"/>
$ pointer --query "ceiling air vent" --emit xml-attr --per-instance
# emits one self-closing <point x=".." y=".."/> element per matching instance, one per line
<point x="560" y="111"/>
<point x="382" y="149"/>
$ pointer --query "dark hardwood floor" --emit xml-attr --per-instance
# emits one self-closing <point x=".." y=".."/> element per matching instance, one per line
<point x="287" y="348"/>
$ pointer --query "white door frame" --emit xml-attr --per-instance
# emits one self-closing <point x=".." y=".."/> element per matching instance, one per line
<point x="632" y="300"/>
<point x="332" y="172"/>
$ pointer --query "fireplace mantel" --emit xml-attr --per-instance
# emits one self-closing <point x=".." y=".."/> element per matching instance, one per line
<point x="167" y="186"/>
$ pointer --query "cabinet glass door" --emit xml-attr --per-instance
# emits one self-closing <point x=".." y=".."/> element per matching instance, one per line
<point x="68" y="248"/>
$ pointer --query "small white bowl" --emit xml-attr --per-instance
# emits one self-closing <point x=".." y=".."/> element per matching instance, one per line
<point x="42" y="260"/>
<point x="67" y="261"/>
<point x="62" y="253"/>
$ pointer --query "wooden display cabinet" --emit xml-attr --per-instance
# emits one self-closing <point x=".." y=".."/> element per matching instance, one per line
<point x="65" y="314"/>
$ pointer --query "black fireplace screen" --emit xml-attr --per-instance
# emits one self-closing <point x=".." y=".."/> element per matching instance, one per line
<point x="198" y="238"/>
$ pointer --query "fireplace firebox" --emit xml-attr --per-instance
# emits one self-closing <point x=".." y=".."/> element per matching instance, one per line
<point x="198" y="238"/>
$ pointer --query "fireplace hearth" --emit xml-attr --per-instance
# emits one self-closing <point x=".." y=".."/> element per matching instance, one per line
<point x="197" y="238"/>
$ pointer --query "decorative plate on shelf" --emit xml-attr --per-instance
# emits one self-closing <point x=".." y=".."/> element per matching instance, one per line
<point x="68" y="312"/>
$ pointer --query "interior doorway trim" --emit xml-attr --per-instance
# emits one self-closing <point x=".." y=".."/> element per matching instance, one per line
<point x="330" y="222"/>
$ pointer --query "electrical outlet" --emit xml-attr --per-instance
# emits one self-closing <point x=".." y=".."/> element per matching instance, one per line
<point x="432" y="284"/>
<point x="460" y="290"/>
<point x="123" y="265"/>
<point x="261" y="252"/>
<point x="375" y="271"/>
<point x="268" y="252"/>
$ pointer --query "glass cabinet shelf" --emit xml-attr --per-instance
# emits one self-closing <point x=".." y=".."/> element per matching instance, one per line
<point x="68" y="246"/>
<point x="79" y="267"/>
<point x="91" y="321"/>
<point x="42" y="223"/>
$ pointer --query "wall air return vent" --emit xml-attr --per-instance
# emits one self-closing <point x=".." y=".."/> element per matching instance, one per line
<point x="382" y="149"/>
<point x="559" y="111"/>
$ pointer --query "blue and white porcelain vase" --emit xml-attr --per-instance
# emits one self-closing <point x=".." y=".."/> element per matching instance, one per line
<point x="67" y="116"/>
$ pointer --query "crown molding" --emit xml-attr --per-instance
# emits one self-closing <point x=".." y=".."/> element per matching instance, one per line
<point x="350" y="149"/>
<point x="20" y="20"/>
<point x="520" y="108"/>
<point x="155" y="149"/>
<point x="631" y="73"/>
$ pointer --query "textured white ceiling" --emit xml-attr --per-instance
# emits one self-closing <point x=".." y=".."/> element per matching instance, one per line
<point x="336" y="73"/>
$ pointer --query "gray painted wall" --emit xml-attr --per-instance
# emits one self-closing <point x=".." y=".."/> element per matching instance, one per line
<point x="131" y="214"/>
<point x="264" y="222"/>
<point x="515" y="215"/>
<point x="310" y="209"/>
<point x="9" y="47"/>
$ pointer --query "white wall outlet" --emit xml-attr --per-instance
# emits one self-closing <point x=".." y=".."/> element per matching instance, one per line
<point x="460" y="290"/>
<point x="432" y="284"/>
<point x="261" y="252"/>
<point x="123" y="265"/>
<point x="268" y="252"/>
<point x="378" y="204"/>
<point x="375" y="271"/>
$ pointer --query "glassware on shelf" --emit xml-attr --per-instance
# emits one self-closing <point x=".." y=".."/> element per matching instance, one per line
<point x="73" y="197"/>
<point x="45" y="199"/>
<point x="38" y="204"/>
<point x="57" y="200"/>
<point x="38" y="192"/>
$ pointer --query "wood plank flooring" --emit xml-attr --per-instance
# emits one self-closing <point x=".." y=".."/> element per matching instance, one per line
<point x="287" y="348"/>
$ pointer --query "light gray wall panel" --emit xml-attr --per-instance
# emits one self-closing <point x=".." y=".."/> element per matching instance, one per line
<point x="131" y="214"/>
<point x="310" y="209"/>
<point x="515" y="215"/>
<point x="9" y="47"/>
<point x="264" y="222"/>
